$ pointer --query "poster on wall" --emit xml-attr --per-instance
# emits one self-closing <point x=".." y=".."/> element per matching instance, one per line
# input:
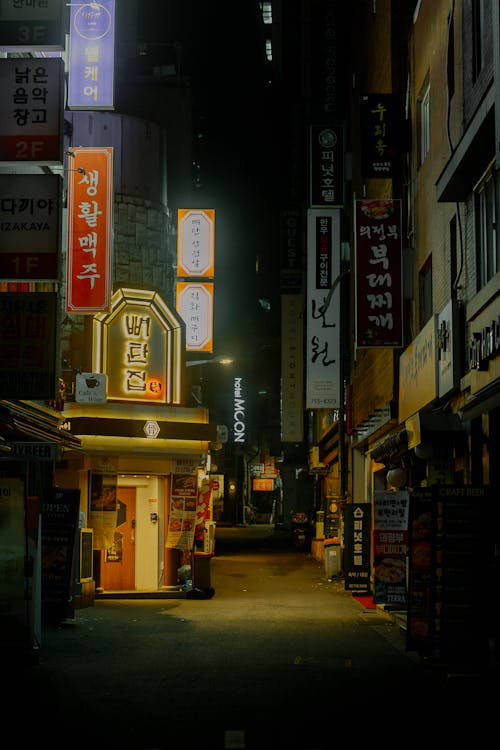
<point x="182" y="512"/>
<point x="390" y="546"/>
<point x="103" y="508"/>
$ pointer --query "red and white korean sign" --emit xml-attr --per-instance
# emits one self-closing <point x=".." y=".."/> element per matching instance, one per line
<point x="379" y="283"/>
<point x="195" y="243"/>
<point x="90" y="229"/>
<point x="31" y="118"/>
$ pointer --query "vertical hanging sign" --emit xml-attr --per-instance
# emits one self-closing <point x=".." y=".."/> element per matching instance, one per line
<point x="323" y="309"/>
<point x="91" y="55"/>
<point x="90" y="214"/>
<point x="379" y="279"/>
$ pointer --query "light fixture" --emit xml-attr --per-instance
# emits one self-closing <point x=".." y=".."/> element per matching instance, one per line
<point x="396" y="477"/>
<point x="220" y="360"/>
<point x="423" y="451"/>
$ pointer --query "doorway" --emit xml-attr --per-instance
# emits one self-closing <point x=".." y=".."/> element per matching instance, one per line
<point x="118" y="561"/>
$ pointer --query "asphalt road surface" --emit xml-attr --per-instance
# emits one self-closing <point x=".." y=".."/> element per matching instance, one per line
<point x="279" y="657"/>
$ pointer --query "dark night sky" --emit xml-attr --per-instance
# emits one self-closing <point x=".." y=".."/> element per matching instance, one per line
<point x="224" y="56"/>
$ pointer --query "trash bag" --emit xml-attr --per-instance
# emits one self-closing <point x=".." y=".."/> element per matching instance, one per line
<point x="187" y="585"/>
<point x="184" y="573"/>
<point x="197" y="593"/>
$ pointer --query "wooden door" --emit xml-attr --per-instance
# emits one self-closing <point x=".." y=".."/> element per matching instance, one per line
<point x="118" y="561"/>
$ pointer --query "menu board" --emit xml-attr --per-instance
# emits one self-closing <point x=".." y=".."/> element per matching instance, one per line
<point x="449" y="549"/>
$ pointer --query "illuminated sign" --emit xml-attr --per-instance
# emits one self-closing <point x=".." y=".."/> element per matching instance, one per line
<point x="195" y="305"/>
<point x="323" y="389"/>
<point x="195" y="243"/>
<point x="139" y="345"/>
<point x="91" y="55"/>
<point x="90" y="231"/>
<point x="239" y="412"/>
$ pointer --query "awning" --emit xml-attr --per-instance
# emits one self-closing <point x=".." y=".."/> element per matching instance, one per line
<point x="28" y="420"/>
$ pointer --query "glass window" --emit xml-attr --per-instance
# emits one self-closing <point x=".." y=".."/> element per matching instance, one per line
<point x="425" y="292"/>
<point x="425" y="127"/>
<point x="487" y="212"/>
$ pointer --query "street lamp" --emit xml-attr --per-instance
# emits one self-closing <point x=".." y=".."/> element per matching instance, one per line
<point x="220" y="360"/>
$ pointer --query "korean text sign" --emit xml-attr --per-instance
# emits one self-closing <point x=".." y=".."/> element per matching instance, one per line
<point x="90" y="214"/>
<point x="323" y="309"/>
<point x="91" y="55"/>
<point x="31" y="117"/>
<point x="30" y="223"/>
<point x="379" y="297"/>
<point x="32" y="24"/>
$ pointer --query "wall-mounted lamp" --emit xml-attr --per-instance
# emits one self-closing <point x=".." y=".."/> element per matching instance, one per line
<point x="396" y="477"/>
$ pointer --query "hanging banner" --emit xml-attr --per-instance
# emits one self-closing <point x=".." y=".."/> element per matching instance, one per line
<point x="195" y="305"/>
<point x="379" y="274"/>
<point x="357" y="532"/>
<point x="91" y="55"/>
<point x="90" y="230"/>
<point x="31" y="118"/>
<point x="390" y="546"/>
<point x="195" y="243"/>
<point x="323" y="309"/>
<point x="30" y="223"/>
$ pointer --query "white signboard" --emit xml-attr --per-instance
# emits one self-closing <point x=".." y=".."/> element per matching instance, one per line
<point x="323" y="309"/>
<point x="90" y="388"/>
<point x="195" y="305"/>
<point x="195" y="243"/>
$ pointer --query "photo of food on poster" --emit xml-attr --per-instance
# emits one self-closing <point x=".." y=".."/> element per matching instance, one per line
<point x="390" y="547"/>
<point x="182" y="511"/>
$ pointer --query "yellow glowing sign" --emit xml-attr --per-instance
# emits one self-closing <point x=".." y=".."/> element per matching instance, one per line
<point x="138" y="344"/>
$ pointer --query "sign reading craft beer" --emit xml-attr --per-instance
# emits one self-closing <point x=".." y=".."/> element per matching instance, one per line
<point x="139" y="345"/>
<point x="90" y="215"/>
<point x="31" y="117"/>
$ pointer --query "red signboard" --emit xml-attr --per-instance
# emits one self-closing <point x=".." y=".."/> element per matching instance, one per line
<point x="90" y="211"/>
<point x="379" y="294"/>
